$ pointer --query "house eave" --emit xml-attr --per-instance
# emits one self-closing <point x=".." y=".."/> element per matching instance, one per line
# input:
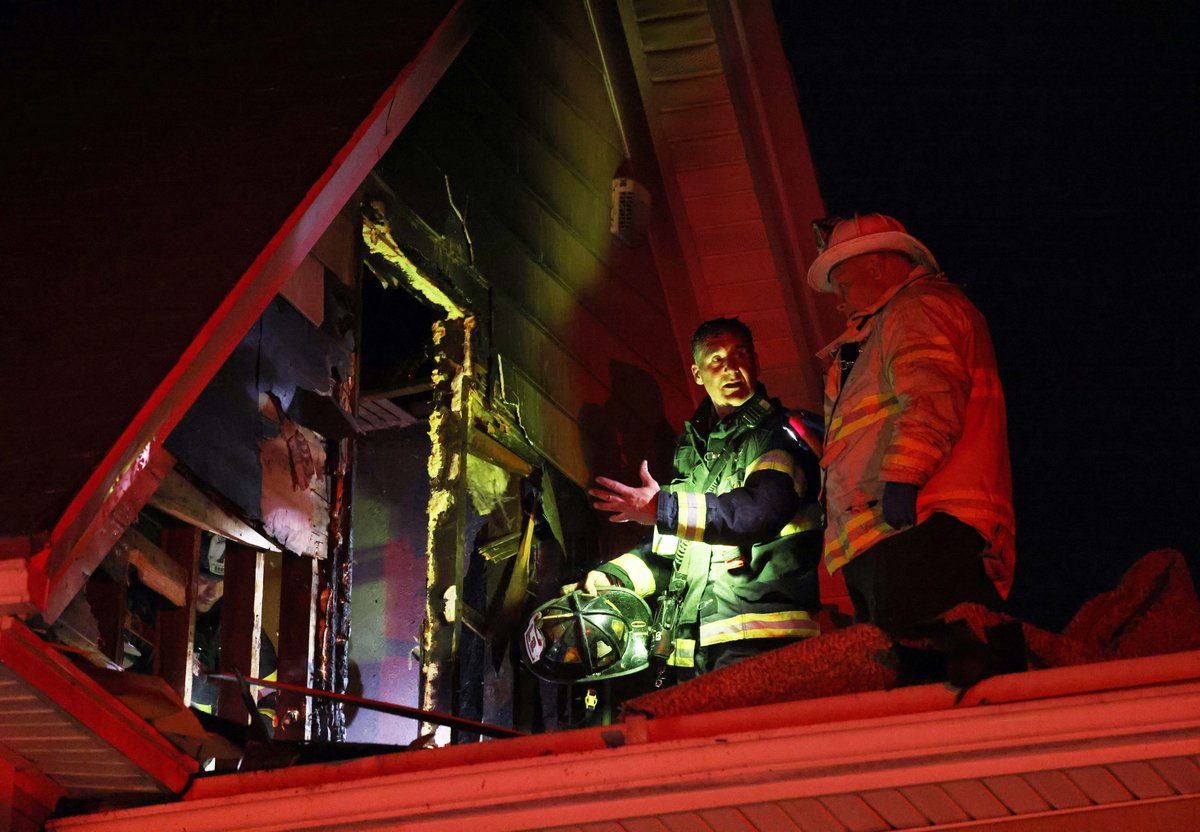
<point x="1029" y="729"/>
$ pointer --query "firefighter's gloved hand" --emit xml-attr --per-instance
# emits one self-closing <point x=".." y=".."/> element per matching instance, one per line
<point x="900" y="504"/>
<point x="590" y="584"/>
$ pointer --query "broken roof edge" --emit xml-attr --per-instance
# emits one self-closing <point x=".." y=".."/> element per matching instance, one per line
<point x="1063" y="718"/>
<point x="111" y="721"/>
<point x="52" y="578"/>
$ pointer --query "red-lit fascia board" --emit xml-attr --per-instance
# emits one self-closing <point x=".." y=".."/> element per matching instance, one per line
<point x="1114" y="713"/>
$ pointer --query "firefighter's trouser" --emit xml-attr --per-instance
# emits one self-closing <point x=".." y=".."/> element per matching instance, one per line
<point x="915" y="576"/>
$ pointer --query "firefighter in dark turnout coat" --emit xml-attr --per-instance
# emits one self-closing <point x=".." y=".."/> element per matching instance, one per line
<point x="739" y="523"/>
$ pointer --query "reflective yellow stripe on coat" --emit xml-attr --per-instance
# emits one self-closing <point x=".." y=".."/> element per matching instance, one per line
<point x="684" y="654"/>
<point x="787" y="624"/>
<point x="693" y="514"/>
<point x="638" y="572"/>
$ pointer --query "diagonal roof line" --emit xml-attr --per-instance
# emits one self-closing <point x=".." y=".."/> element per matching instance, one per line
<point x="250" y="296"/>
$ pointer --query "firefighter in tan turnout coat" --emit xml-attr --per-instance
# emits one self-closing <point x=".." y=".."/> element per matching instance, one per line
<point x="917" y="481"/>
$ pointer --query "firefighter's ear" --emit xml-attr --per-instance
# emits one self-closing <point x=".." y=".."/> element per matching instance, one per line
<point x="696" y="375"/>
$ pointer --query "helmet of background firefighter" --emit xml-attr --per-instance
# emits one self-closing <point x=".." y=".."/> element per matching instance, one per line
<point x="212" y="555"/>
<point x="583" y="638"/>
<point x="210" y="577"/>
<point x="865" y="234"/>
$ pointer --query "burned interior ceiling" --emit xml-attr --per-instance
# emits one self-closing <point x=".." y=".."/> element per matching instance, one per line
<point x="396" y="361"/>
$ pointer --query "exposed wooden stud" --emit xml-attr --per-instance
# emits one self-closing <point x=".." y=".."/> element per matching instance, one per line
<point x="297" y="635"/>
<point x="241" y="626"/>
<point x="184" y="501"/>
<point x="448" y="430"/>
<point x="177" y="627"/>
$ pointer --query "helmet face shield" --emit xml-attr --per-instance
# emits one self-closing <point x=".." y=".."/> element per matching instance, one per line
<point x="581" y="637"/>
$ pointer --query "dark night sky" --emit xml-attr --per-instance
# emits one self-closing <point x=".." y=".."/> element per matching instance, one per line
<point x="1046" y="153"/>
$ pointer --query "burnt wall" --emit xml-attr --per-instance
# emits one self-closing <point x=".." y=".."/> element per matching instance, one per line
<point x="509" y="163"/>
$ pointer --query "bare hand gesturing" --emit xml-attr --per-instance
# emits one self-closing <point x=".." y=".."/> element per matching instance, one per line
<point x="631" y="503"/>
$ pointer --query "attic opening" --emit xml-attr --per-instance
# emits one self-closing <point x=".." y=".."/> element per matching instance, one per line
<point x="396" y="358"/>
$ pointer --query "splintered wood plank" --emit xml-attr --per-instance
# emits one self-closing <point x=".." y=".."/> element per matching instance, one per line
<point x="95" y="526"/>
<point x="155" y="567"/>
<point x="106" y="597"/>
<point x="184" y="501"/>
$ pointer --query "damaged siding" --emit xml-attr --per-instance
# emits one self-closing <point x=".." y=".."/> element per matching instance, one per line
<point x="509" y="162"/>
